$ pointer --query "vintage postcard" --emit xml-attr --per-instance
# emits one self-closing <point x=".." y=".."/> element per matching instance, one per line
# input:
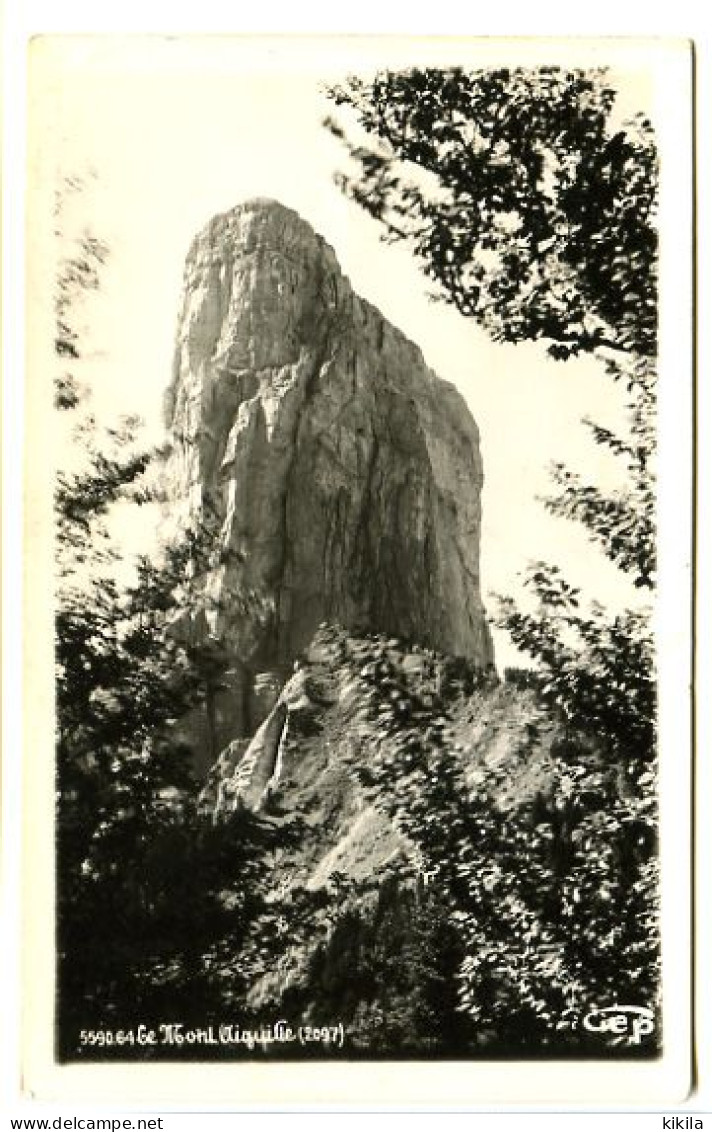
<point x="359" y="481"/>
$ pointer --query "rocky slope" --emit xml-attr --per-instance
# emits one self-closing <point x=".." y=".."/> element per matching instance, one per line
<point x="350" y="880"/>
<point x="341" y="477"/>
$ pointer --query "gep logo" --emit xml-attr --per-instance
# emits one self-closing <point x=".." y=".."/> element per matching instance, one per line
<point x="624" y="1024"/>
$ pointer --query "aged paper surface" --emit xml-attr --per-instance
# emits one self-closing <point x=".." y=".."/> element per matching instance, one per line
<point x="164" y="135"/>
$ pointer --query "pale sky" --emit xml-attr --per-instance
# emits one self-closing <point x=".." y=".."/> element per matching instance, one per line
<point x="177" y="131"/>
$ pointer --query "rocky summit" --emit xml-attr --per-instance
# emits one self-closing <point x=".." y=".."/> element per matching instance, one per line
<point x="340" y="475"/>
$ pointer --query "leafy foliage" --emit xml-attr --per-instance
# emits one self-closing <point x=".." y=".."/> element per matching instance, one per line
<point x="553" y="899"/>
<point x="390" y="964"/>
<point x="621" y="523"/>
<point x="527" y="203"/>
<point x="598" y="668"/>
<point x="147" y="887"/>
<point x="81" y="260"/>
<point x="532" y="208"/>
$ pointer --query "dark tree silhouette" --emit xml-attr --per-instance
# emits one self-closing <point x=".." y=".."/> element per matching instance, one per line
<point x="531" y="208"/>
<point x="525" y="200"/>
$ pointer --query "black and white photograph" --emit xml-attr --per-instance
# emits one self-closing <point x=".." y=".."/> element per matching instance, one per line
<point x="362" y="499"/>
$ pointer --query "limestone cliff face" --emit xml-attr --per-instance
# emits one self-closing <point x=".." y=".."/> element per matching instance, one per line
<point x="343" y="476"/>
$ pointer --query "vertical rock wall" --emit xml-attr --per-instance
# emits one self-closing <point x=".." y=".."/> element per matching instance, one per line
<point x="342" y="476"/>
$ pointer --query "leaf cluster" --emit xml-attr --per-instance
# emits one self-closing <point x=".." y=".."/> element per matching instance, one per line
<point x="528" y="205"/>
<point x="148" y="890"/>
<point x="554" y="900"/>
